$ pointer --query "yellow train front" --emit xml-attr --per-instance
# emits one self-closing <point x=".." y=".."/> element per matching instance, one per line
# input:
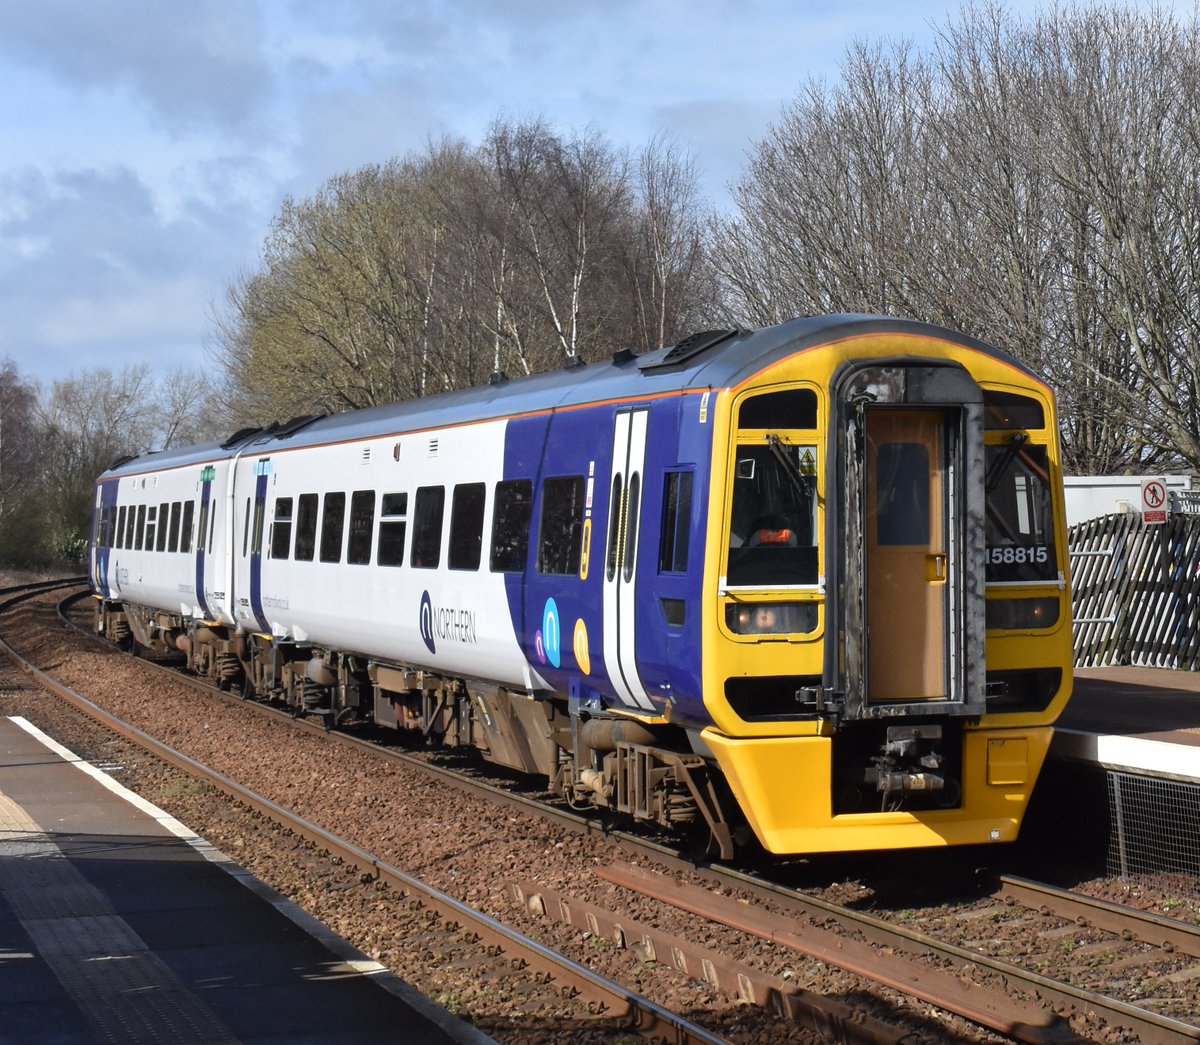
<point x="886" y="620"/>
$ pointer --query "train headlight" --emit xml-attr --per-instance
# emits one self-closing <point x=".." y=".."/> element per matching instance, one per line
<point x="1021" y="614"/>
<point x="771" y="618"/>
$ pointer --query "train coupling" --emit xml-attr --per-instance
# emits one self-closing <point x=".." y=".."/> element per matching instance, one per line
<point x="910" y="761"/>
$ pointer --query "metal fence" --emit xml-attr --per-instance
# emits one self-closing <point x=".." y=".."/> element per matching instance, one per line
<point x="1155" y="836"/>
<point x="1135" y="591"/>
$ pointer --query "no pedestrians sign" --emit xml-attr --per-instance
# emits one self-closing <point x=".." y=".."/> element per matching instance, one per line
<point x="1154" y="501"/>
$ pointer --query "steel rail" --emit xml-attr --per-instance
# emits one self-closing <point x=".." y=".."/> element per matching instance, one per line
<point x="638" y="1012"/>
<point x="1168" y="933"/>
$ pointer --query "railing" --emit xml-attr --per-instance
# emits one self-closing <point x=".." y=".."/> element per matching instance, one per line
<point x="1135" y="590"/>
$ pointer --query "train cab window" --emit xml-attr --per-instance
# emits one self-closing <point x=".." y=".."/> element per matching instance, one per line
<point x="121" y="527"/>
<point x="362" y="525"/>
<point x="1008" y="411"/>
<point x="151" y="512"/>
<point x="393" y="527"/>
<point x="164" y="514"/>
<point x="427" y="527"/>
<point x="1019" y="526"/>
<point x="510" y="525"/>
<point x="281" y="528"/>
<point x="173" y="540"/>
<point x="306" y="527"/>
<point x="560" y="534"/>
<point x="140" y="535"/>
<point x="775" y="411"/>
<point x="772" y="535"/>
<point x="677" y="513"/>
<point x="185" y="527"/>
<point x="333" y="522"/>
<point x="466" y="526"/>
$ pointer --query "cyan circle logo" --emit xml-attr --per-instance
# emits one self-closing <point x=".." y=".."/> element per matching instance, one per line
<point x="551" y="633"/>
<point x="427" y="621"/>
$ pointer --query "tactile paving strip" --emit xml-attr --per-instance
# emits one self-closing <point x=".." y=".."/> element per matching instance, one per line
<point x="122" y="988"/>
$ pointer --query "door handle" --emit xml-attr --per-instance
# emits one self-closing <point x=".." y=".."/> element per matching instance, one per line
<point x="935" y="567"/>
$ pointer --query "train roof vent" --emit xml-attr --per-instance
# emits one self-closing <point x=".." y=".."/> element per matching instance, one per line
<point x="240" y="436"/>
<point x="690" y="347"/>
<point x="294" y="425"/>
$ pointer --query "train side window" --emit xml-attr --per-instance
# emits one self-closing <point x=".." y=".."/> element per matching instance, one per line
<point x="362" y="523"/>
<point x="185" y="527"/>
<point x="164" y="513"/>
<point x="306" y="527"/>
<point x="393" y="526"/>
<point x="131" y="527"/>
<point x="510" y="525"/>
<point x="151" y="513"/>
<point x="677" y="514"/>
<point x="212" y="528"/>
<point x="173" y="543"/>
<point x="140" y="536"/>
<point x="427" y="527"/>
<point x="561" y="531"/>
<point x="121" y="527"/>
<point x="333" y="521"/>
<point x="245" y="531"/>
<point x="281" y="531"/>
<point x="466" y="526"/>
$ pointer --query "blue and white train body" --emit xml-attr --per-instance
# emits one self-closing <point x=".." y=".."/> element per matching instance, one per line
<point x="806" y="583"/>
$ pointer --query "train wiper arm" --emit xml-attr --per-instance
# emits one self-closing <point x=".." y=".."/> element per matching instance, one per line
<point x="802" y="482"/>
<point x="1000" y="465"/>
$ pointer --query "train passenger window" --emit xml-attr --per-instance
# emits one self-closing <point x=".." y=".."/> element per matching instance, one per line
<point x="1019" y="530"/>
<point x="561" y="531"/>
<point x="510" y="525"/>
<point x="173" y="543"/>
<point x="677" y="514"/>
<point x="772" y="533"/>
<point x="393" y="525"/>
<point x="466" y="526"/>
<point x="427" y="527"/>
<point x="212" y="527"/>
<point x="281" y="530"/>
<point x="776" y="411"/>
<point x="362" y="523"/>
<point x="121" y="527"/>
<point x="185" y="527"/>
<point x="164" y="514"/>
<point x="333" y="521"/>
<point x="245" y="530"/>
<point x="131" y="527"/>
<point x="140" y="535"/>
<point x="151" y="512"/>
<point x="306" y="527"/>
<point x="1007" y="411"/>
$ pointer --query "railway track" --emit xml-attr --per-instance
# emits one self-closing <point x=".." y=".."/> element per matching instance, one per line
<point x="1038" y="1017"/>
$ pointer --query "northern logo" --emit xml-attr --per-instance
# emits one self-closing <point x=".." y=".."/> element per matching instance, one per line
<point x="427" y="621"/>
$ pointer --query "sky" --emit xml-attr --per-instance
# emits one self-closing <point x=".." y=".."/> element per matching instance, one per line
<point x="146" y="145"/>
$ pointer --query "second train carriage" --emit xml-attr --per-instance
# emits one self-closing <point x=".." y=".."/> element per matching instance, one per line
<point x="806" y="582"/>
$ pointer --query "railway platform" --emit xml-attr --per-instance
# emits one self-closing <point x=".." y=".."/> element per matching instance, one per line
<point x="118" y="924"/>
<point x="1144" y="721"/>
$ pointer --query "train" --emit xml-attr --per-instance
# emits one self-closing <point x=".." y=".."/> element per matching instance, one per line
<point x="802" y="587"/>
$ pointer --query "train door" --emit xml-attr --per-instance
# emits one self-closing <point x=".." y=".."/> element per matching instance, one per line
<point x="911" y="634"/>
<point x="255" y="523"/>
<point x="620" y="566"/>
<point x="908" y="532"/>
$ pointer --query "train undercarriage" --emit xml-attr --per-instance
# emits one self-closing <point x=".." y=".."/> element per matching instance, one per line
<point x="589" y="759"/>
